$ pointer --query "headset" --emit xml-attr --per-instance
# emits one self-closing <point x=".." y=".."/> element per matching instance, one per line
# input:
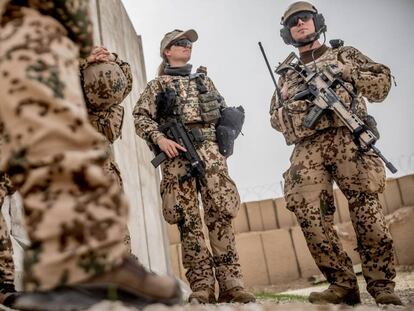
<point x="320" y="27"/>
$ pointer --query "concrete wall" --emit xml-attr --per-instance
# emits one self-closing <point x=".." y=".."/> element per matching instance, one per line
<point x="114" y="30"/>
<point x="272" y="248"/>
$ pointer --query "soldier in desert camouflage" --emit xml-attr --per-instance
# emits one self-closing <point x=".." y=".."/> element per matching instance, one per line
<point x="7" y="289"/>
<point x="75" y="214"/>
<point x="328" y="153"/>
<point x="199" y="106"/>
<point x="106" y="81"/>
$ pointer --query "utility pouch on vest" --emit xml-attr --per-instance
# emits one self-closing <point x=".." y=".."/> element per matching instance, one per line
<point x="209" y="107"/>
<point x="208" y="97"/>
<point x="108" y="122"/>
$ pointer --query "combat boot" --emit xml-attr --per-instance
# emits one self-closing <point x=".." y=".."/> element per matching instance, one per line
<point x="388" y="297"/>
<point x="236" y="294"/>
<point x="202" y="296"/>
<point x="337" y="295"/>
<point x="7" y="294"/>
<point x="129" y="283"/>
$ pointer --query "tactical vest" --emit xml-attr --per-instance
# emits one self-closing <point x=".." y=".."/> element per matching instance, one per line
<point x="108" y="122"/>
<point x="289" y="115"/>
<point x="196" y="106"/>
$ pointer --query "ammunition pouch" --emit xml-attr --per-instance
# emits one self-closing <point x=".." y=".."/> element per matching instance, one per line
<point x="108" y="122"/>
<point x="210" y="107"/>
<point x="292" y="118"/>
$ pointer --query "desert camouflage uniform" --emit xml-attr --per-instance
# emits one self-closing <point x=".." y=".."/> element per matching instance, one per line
<point x="6" y="253"/>
<point x="75" y="215"/>
<point x="219" y="195"/>
<point x="329" y="154"/>
<point x="105" y="112"/>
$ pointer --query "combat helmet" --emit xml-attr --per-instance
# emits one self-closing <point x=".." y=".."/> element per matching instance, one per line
<point x="104" y="85"/>
<point x="295" y="8"/>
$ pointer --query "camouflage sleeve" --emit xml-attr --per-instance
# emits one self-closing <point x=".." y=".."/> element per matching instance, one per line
<point x="274" y="105"/>
<point x="126" y="68"/>
<point x="75" y="17"/>
<point x="83" y="63"/>
<point x="273" y="111"/>
<point x="211" y="87"/>
<point x="144" y="114"/>
<point x="372" y="80"/>
<point x="6" y="187"/>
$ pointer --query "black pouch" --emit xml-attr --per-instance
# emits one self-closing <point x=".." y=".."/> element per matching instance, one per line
<point x="229" y="127"/>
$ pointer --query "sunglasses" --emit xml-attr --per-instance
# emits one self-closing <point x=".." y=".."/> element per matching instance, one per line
<point x="294" y="19"/>
<point x="183" y="43"/>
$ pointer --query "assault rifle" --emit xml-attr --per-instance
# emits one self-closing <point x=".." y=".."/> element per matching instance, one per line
<point x="320" y="86"/>
<point x="175" y="130"/>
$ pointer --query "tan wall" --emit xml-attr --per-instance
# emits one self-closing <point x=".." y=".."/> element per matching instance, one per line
<point x="272" y="248"/>
<point x="114" y="30"/>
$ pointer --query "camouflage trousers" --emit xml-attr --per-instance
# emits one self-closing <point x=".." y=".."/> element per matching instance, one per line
<point x="221" y="203"/>
<point x="112" y="170"/>
<point x="6" y="252"/>
<point x="315" y="164"/>
<point x="75" y="215"/>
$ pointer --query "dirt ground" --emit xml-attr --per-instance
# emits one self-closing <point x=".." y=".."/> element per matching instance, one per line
<point x="273" y="298"/>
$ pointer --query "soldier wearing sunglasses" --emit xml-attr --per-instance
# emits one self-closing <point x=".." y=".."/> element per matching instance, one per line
<point x="327" y="153"/>
<point x="197" y="104"/>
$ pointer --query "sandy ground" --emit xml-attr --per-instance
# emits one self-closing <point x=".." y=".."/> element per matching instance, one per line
<point x="404" y="287"/>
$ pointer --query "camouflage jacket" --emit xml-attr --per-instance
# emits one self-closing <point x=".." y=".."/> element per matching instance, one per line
<point x="72" y="14"/>
<point x="369" y="80"/>
<point x="192" y="104"/>
<point x="108" y="121"/>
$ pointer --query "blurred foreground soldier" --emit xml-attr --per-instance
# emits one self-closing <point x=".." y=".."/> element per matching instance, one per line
<point x="326" y="153"/>
<point x="75" y="214"/>
<point x="179" y="107"/>
<point x="106" y="81"/>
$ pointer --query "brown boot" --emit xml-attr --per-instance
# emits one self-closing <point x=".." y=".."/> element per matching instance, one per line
<point x="388" y="298"/>
<point x="129" y="283"/>
<point x="202" y="296"/>
<point x="337" y="295"/>
<point x="236" y="294"/>
<point x="7" y="294"/>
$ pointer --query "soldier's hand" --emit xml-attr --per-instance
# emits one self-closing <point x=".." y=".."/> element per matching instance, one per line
<point x="100" y="54"/>
<point x="284" y="91"/>
<point x="170" y="147"/>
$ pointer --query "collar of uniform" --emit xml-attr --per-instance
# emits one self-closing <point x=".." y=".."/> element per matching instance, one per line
<point x="306" y="57"/>
<point x="179" y="71"/>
